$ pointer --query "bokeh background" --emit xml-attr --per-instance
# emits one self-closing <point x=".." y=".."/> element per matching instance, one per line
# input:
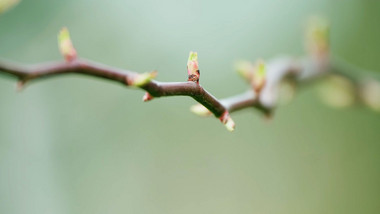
<point x="76" y="144"/>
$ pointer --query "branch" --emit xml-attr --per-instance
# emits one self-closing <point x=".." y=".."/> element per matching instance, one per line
<point x="298" y="71"/>
<point x="265" y="79"/>
<point x="27" y="73"/>
<point x="80" y="66"/>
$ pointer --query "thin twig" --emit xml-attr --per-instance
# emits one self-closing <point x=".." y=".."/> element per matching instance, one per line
<point x="80" y="66"/>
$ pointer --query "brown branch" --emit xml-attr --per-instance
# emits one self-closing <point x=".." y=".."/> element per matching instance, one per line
<point x="265" y="80"/>
<point x="300" y="71"/>
<point x="277" y="70"/>
<point x="360" y="84"/>
<point x="125" y="77"/>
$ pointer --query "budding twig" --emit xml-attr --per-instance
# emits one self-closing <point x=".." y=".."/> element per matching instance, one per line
<point x="265" y="79"/>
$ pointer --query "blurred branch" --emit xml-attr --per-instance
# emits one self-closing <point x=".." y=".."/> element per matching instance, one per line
<point x="278" y="71"/>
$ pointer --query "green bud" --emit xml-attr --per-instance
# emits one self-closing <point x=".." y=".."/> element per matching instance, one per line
<point x="227" y="121"/>
<point x="144" y="78"/>
<point x="66" y="46"/>
<point x="192" y="67"/>
<point x="200" y="110"/>
<point x="245" y="69"/>
<point x="230" y="125"/>
<point x="261" y="69"/>
<point x="317" y="36"/>
<point x="259" y="76"/>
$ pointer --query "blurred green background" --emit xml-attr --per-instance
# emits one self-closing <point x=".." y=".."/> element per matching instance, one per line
<point x="77" y="144"/>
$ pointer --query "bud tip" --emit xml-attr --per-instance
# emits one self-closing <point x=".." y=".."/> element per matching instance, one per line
<point x="66" y="46"/>
<point x="227" y="121"/>
<point x="259" y="76"/>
